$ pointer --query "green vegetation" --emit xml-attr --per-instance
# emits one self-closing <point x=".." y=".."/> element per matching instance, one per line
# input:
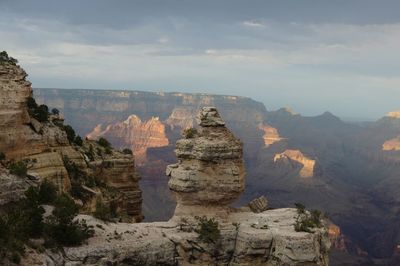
<point x="108" y="150"/>
<point x="127" y="151"/>
<point x="18" y="168"/>
<point x="55" y="111"/>
<point x="104" y="142"/>
<point x="39" y="112"/>
<point x="2" y="156"/>
<point x="300" y="208"/>
<point x="90" y="153"/>
<point x="208" y="230"/>
<point x="105" y="211"/>
<point x="47" y="192"/>
<point x="5" y="58"/>
<point x="25" y="220"/>
<point x="78" y="140"/>
<point x="307" y="220"/>
<point x="61" y="228"/>
<point x="189" y="133"/>
<point x="70" y="133"/>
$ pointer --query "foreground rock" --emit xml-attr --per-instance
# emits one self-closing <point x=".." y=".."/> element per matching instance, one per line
<point x="50" y="155"/>
<point x="209" y="176"/>
<point x="266" y="238"/>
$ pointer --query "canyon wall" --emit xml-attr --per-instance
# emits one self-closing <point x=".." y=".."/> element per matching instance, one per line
<point x="345" y="160"/>
<point x="30" y="134"/>
<point x="204" y="230"/>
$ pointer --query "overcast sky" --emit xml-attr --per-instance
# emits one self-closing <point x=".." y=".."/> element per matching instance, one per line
<point x="310" y="55"/>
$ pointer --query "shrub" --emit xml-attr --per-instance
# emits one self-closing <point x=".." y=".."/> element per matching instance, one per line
<point x="2" y="156"/>
<point x="307" y="220"/>
<point x="31" y="103"/>
<point x="55" y="111"/>
<point x="47" y="192"/>
<point x="208" y="230"/>
<point x="300" y="208"/>
<point x="189" y="133"/>
<point x="127" y="151"/>
<point x="108" y="150"/>
<point x="41" y="113"/>
<point x="60" y="226"/>
<point x="74" y="172"/>
<point x="5" y="58"/>
<point x="33" y="212"/>
<point x="78" y="140"/>
<point x="103" y="211"/>
<point x="18" y="168"/>
<point x="70" y="133"/>
<point x="104" y="142"/>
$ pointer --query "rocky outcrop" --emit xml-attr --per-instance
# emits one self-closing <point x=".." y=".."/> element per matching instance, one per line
<point x="391" y="145"/>
<point x="181" y="118"/>
<point x="204" y="229"/>
<point x="49" y="155"/>
<point x="12" y="187"/>
<point x="394" y="114"/>
<point x="308" y="165"/>
<point x="259" y="204"/>
<point x="210" y="169"/>
<point x="135" y="134"/>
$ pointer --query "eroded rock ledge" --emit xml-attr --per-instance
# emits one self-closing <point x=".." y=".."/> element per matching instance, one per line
<point x="208" y="177"/>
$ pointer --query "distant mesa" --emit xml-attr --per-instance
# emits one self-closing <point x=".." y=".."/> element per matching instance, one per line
<point x="295" y="155"/>
<point x="394" y="114"/>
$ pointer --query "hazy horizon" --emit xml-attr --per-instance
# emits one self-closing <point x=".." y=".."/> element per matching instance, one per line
<point x="312" y="56"/>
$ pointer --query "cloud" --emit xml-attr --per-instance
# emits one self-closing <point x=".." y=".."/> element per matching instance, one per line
<point x="254" y="24"/>
<point x="281" y="62"/>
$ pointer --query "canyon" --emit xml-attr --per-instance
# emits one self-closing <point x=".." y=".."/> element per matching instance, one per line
<point x="210" y="174"/>
<point x="352" y="178"/>
<point x="37" y="147"/>
<point x="42" y="144"/>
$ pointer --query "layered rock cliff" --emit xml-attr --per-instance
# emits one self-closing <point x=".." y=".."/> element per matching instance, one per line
<point x="30" y="134"/>
<point x="271" y="134"/>
<point x="135" y="134"/>
<point x="204" y="230"/>
<point x="307" y="164"/>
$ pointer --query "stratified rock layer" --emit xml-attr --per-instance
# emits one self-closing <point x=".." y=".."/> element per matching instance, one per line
<point x="308" y="165"/>
<point x="271" y="134"/>
<point x="46" y="148"/>
<point x="134" y="133"/>
<point x="211" y="168"/>
<point x="392" y="144"/>
<point x="209" y="176"/>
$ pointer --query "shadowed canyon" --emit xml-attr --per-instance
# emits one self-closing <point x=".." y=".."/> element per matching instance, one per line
<point x="351" y="171"/>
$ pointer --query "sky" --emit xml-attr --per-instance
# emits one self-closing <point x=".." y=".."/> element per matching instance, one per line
<point x="313" y="56"/>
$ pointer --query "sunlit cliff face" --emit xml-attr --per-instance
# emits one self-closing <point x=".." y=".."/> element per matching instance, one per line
<point x="134" y="133"/>
<point x="308" y="164"/>
<point x="271" y="134"/>
<point x="392" y="144"/>
<point x="394" y="114"/>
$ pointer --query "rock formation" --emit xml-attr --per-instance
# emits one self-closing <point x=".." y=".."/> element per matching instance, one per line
<point x="181" y="117"/>
<point x="204" y="229"/>
<point x="394" y="114"/>
<point x="271" y="134"/>
<point x="210" y="169"/>
<point x="307" y="169"/>
<point x="45" y="147"/>
<point x="135" y="134"/>
<point x="392" y="144"/>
